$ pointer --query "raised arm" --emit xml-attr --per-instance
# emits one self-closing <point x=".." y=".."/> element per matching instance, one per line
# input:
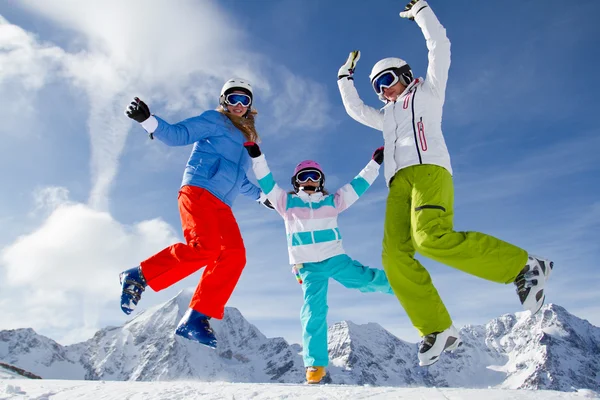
<point x="349" y="193"/>
<point x="355" y="107"/>
<point x="185" y="132"/>
<point x="438" y="45"/>
<point x="181" y="134"/>
<point x="276" y="195"/>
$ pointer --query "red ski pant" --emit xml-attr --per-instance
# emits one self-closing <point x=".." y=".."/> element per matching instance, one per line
<point x="213" y="239"/>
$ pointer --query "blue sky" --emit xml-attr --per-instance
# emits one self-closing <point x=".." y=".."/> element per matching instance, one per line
<point x="85" y="194"/>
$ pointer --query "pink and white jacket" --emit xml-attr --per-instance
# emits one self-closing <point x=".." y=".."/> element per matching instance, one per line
<point x="311" y="220"/>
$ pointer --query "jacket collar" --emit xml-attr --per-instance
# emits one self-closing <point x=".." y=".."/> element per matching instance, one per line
<point x="406" y="91"/>
<point x="309" y="197"/>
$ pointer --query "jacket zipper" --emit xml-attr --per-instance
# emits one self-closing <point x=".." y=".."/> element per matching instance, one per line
<point x="414" y="127"/>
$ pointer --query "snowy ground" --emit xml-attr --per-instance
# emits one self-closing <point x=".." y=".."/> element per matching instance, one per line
<point x="101" y="390"/>
<point x="7" y="374"/>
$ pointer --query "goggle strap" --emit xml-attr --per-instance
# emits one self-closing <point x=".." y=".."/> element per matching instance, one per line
<point x="397" y="71"/>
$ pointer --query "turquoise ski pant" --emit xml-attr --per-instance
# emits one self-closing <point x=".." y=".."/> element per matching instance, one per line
<point x="315" y="281"/>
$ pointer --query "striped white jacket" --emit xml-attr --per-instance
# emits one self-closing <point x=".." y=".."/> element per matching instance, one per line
<point x="311" y="220"/>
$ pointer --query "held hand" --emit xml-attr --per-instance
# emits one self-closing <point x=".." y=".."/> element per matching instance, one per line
<point x="268" y="204"/>
<point x="347" y="70"/>
<point x="378" y="155"/>
<point x="137" y="110"/>
<point x="265" y="201"/>
<point x="253" y="149"/>
<point x="413" y="8"/>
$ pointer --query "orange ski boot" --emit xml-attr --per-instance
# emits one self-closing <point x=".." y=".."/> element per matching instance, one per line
<point x="315" y="374"/>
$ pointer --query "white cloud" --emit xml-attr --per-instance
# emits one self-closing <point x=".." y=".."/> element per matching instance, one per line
<point x="174" y="57"/>
<point x="24" y="58"/>
<point x="298" y="104"/>
<point x="62" y="274"/>
<point x="50" y="198"/>
<point x="79" y="249"/>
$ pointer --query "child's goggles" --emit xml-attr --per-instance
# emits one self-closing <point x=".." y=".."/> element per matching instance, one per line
<point x="233" y="99"/>
<point x="309" y="175"/>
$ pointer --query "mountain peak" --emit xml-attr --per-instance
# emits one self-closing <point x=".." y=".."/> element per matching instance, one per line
<point x="550" y="350"/>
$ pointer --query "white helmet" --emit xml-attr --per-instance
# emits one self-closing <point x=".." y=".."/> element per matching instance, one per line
<point x="236" y="84"/>
<point x="392" y="63"/>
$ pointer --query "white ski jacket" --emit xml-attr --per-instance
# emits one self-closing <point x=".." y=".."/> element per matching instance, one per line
<point x="311" y="219"/>
<point x="412" y="125"/>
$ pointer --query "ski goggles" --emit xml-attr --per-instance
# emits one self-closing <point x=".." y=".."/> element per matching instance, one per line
<point x="309" y="175"/>
<point x="233" y="99"/>
<point x="385" y="80"/>
<point x="388" y="78"/>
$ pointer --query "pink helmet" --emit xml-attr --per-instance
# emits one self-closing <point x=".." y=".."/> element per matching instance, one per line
<point x="308" y="164"/>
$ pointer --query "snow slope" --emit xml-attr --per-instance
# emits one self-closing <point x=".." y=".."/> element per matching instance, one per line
<point x="66" y="390"/>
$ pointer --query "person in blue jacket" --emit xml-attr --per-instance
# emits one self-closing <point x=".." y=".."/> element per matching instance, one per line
<point x="214" y="175"/>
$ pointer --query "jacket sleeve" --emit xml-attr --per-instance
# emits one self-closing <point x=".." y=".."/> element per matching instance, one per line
<point x="249" y="189"/>
<point x="438" y="45"/>
<point x="276" y="195"/>
<point x="349" y="193"/>
<point x="185" y="132"/>
<point x="356" y="108"/>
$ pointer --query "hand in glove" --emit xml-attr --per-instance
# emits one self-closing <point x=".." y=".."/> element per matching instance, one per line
<point x="138" y="110"/>
<point x="253" y="149"/>
<point x="378" y="155"/>
<point x="265" y="201"/>
<point x="347" y="70"/>
<point x="413" y="8"/>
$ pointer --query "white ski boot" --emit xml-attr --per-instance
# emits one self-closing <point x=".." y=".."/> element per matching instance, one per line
<point x="433" y="344"/>
<point x="531" y="281"/>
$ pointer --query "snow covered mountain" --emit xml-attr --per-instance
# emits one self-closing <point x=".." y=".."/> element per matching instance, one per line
<point x="553" y="350"/>
<point x="146" y="348"/>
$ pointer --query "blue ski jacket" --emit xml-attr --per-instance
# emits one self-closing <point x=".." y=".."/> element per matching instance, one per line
<point x="219" y="161"/>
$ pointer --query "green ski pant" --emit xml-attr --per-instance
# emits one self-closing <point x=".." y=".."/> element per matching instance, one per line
<point x="418" y="217"/>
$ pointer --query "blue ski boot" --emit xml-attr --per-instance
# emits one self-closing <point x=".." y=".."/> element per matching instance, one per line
<point x="195" y="326"/>
<point x="132" y="284"/>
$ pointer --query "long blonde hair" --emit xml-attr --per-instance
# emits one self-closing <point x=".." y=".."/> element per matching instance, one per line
<point x="244" y="124"/>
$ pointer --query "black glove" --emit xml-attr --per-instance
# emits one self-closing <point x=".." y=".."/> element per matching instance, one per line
<point x="253" y="149"/>
<point x="378" y="155"/>
<point x="138" y="110"/>
<point x="268" y="204"/>
<point x="413" y="8"/>
<point x="265" y="201"/>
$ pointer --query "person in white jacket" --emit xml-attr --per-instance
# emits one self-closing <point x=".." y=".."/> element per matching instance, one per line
<point x="315" y="245"/>
<point x="419" y="210"/>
